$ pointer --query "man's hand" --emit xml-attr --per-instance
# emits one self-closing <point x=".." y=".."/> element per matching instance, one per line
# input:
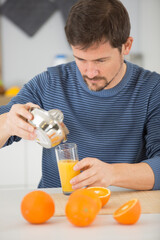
<point x="138" y="176"/>
<point x="16" y="121"/>
<point x="95" y="173"/>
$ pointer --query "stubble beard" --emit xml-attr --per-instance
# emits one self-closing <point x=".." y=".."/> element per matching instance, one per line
<point x="95" y="86"/>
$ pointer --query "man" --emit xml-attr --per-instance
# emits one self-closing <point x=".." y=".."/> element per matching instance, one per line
<point x="110" y="106"/>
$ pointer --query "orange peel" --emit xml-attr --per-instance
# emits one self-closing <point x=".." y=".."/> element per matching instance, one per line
<point x="129" y="212"/>
<point x="102" y="192"/>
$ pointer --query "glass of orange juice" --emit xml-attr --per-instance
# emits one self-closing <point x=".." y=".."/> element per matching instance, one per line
<point x="67" y="157"/>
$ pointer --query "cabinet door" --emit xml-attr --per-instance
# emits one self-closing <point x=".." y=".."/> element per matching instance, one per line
<point x="12" y="165"/>
<point x="34" y="162"/>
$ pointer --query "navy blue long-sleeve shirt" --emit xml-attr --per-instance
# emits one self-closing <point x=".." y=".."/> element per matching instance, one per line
<point x="117" y="125"/>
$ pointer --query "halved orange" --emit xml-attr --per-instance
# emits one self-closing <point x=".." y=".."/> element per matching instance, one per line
<point x="128" y="213"/>
<point x="102" y="192"/>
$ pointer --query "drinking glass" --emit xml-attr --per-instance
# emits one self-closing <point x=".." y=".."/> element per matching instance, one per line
<point x="67" y="157"/>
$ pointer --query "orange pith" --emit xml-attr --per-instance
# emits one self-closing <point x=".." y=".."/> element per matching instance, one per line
<point x="128" y="213"/>
<point x="37" y="207"/>
<point x="102" y="192"/>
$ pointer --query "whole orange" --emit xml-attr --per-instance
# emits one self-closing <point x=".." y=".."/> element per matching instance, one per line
<point x="82" y="207"/>
<point x="37" y="207"/>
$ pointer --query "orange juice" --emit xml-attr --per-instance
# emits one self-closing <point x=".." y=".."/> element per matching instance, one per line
<point x="66" y="173"/>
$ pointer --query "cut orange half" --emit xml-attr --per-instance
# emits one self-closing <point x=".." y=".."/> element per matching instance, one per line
<point x="102" y="192"/>
<point x="128" y="213"/>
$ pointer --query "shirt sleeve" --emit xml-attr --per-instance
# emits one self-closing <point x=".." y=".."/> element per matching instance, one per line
<point x="152" y="136"/>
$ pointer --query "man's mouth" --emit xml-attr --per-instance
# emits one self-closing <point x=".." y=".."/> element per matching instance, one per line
<point x="95" y="79"/>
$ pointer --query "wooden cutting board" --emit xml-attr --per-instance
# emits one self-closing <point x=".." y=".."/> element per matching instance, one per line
<point x="150" y="201"/>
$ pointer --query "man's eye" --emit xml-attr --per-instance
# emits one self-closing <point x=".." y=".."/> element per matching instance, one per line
<point x="100" y="60"/>
<point x="81" y="60"/>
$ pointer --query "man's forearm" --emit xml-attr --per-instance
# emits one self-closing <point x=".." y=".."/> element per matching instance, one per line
<point x="3" y="133"/>
<point x="138" y="176"/>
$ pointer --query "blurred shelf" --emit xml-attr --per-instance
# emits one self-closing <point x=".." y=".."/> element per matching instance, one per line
<point x="4" y="100"/>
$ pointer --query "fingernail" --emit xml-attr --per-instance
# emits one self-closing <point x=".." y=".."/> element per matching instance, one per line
<point x="72" y="181"/>
<point x="75" y="168"/>
<point x="29" y="117"/>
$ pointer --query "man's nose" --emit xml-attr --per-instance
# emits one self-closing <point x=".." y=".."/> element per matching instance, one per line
<point x="91" y="70"/>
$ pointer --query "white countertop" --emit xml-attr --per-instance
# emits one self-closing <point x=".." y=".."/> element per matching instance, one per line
<point x="13" y="226"/>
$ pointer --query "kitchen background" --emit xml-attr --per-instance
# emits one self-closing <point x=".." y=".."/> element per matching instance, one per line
<point x="29" y="45"/>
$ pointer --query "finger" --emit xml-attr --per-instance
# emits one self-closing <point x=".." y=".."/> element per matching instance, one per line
<point x="20" y="110"/>
<point x="85" y="183"/>
<point x="83" y="176"/>
<point x="20" y="127"/>
<point x="24" y="114"/>
<point x="23" y="124"/>
<point x="25" y="134"/>
<point x="29" y="105"/>
<point x="83" y="164"/>
<point x="95" y="184"/>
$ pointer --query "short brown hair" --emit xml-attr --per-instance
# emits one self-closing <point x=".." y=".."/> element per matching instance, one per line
<point x="90" y="21"/>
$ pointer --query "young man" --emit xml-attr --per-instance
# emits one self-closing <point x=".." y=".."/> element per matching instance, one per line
<point x="111" y="107"/>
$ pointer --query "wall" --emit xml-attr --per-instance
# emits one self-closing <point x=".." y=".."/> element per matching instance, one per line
<point x="133" y="8"/>
<point x="24" y="57"/>
<point x="150" y="33"/>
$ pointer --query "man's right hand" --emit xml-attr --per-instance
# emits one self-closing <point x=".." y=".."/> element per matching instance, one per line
<point x="16" y="122"/>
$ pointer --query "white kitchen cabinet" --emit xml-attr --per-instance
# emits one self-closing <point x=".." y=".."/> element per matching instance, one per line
<point x="12" y="165"/>
<point x="20" y="165"/>
<point x="34" y="163"/>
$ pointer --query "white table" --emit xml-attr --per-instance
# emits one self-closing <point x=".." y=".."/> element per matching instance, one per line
<point x="13" y="226"/>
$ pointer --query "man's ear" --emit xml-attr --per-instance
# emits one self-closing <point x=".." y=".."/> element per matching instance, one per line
<point x="127" y="46"/>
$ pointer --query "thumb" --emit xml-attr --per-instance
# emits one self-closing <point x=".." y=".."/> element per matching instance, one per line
<point x="83" y="164"/>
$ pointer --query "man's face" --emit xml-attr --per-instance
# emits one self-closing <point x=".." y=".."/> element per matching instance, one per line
<point x="101" y="66"/>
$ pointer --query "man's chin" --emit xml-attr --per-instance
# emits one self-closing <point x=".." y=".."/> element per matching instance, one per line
<point x="94" y="87"/>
